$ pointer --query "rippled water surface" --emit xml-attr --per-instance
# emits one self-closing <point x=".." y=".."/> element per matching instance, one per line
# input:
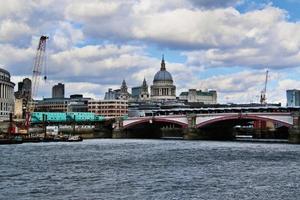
<point x="150" y="169"/>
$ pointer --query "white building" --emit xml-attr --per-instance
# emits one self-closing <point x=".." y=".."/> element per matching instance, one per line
<point x="193" y="95"/>
<point x="6" y="95"/>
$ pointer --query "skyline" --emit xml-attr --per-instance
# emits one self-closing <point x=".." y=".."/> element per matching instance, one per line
<point x="94" y="45"/>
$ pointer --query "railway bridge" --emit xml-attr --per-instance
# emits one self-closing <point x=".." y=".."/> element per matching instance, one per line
<point x="212" y="123"/>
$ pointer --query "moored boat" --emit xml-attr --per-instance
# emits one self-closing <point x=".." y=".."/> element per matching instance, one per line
<point x="14" y="140"/>
<point x="75" y="138"/>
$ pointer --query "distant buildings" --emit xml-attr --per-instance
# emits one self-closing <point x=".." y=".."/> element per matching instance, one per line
<point x="135" y="92"/>
<point x="52" y="105"/>
<point x="6" y="95"/>
<point x="193" y="96"/>
<point x="140" y="93"/>
<point x="24" y="89"/>
<point x="22" y="97"/>
<point x="293" y="97"/>
<point x="162" y="95"/>
<point x="108" y="108"/>
<point x="76" y="103"/>
<point x="121" y="93"/>
<point x="124" y="94"/>
<point x="58" y="91"/>
<point x="112" y="94"/>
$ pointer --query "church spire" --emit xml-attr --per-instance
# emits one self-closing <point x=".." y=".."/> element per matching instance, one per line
<point x="163" y="65"/>
<point x="144" y="83"/>
<point x="124" y="86"/>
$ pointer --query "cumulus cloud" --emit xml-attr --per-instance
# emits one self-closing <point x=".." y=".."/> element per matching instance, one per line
<point x="12" y="30"/>
<point x="81" y="10"/>
<point x="241" y="87"/>
<point x="66" y="36"/>
<point x="221" y="37"/>
<point x="101" y="42"/>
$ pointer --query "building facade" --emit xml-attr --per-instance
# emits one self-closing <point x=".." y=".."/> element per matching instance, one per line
<point x="6" y="95"/>
<point x="144" y="95"/>
<point x="293" y="97"/>
<point x="22" y="97"/>
<point x="58" y="91"/>
<point x="121" y="93"/>
<point x="24" y="89"/>
<point x="108" y="108"/>
<point x="163" y="88"/>
<point x="135" y="92"/>
<point x="140" y="93"/>
<point x="112" y="94"/>
<point x="76" y="103"/>
<point x="19" y="108"/>
<point x="52" y="105"/>
<point x="193" y="96"/>
<point x="124" y="94"/>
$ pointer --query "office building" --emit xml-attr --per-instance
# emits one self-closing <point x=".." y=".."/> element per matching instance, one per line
<point x="293" y="97"/>
<point x="108" y="108"/>
<point x="58" y="91"/>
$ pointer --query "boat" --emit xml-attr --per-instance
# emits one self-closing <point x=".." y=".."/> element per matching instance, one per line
<point x="31" y="139"/>
<point x="75" y="138"/>
<point x="13" y="140"/>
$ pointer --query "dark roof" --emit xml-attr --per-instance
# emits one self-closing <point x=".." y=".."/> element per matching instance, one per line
<point x="4" y="71"/>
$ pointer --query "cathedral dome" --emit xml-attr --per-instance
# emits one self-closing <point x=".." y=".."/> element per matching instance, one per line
<point x="163" y="88"/>
<point x="163" y="75"/>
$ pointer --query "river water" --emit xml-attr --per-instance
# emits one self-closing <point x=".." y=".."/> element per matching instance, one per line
<point x="150" y="169"/>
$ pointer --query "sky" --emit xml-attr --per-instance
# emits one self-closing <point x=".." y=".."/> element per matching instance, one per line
<point x="224" y="45"/>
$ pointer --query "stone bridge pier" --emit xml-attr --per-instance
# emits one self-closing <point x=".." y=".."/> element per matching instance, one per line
<point x="294" y="131"/>
<point x="118" y="130"/>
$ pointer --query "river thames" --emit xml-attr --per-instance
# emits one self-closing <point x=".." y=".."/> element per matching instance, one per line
<point x="150" y="169"/>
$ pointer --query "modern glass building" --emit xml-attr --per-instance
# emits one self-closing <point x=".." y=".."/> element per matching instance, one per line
<point x="293" y="97"/>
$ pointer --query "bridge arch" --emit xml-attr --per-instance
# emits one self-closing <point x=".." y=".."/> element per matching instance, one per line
<point x="241" y="117"/>
<point x="153" y="121"/>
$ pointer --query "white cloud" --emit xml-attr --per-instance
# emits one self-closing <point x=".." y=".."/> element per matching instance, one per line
<point x="101" y="42"/>
<point x="66" y="36"/>
<point x="91" y="9"/>
<point x="12" y="30"/>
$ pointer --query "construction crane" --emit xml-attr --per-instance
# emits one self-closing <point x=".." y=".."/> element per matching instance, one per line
<point x="263" y="98"/>
<point x="38" y="65"/>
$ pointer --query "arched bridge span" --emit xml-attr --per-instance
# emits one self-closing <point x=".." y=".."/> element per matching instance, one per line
<point x="204" y="120"/>
<point x="180" y="121"/>
<point x="283" y="119"/>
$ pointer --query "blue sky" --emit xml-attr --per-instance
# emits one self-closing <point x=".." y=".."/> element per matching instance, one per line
<point x="208" y="44"/>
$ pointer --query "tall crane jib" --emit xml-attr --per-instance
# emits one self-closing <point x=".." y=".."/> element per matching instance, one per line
<point x="39" y="62"/>
<point x="263" y="98"/>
